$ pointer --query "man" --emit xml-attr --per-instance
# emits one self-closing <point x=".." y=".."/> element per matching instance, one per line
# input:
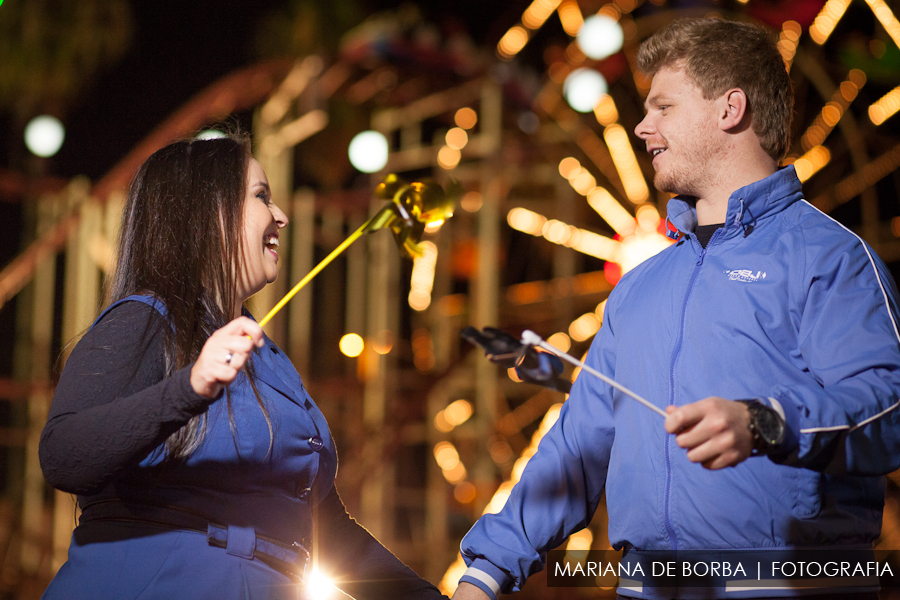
<point x="768" y="329"/>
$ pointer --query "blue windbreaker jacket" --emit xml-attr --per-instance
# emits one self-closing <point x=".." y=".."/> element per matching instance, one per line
<point x="785" y="305"/>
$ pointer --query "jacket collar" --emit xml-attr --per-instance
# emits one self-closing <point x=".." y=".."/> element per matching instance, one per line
<point x="268" y="373"/>
<point x="746" y="206"/>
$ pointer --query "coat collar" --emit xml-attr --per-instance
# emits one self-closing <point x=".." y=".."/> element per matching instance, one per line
<point x="268" y="369"/>
<point x="746" y="206"/>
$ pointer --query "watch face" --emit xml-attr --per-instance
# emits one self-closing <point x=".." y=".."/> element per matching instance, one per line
<point x="769" y="426"/>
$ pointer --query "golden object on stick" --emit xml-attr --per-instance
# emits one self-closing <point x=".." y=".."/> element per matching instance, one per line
<point x="412" y="206"/>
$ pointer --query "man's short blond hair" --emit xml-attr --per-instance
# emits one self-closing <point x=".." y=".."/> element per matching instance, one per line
<point x="720" y="55"/>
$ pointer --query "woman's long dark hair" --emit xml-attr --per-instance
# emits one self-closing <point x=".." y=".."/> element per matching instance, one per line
<point x="180" y="240"/>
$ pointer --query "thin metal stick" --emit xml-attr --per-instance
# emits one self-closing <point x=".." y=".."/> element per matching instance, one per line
<point x="532" y="339"/>
<point x="353" y="237"/>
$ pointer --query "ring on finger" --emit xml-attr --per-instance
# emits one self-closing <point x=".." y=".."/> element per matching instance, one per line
<point x="228" y="358"/>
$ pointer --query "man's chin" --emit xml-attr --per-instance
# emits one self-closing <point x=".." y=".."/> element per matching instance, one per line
<point x="671" y="186"/>
<point x="665" y="184"/>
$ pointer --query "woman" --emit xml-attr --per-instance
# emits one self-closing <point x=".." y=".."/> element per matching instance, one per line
<point x="200" y="462"/>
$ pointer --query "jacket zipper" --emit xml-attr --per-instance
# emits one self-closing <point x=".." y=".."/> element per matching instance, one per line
<point x="670" y="531"/>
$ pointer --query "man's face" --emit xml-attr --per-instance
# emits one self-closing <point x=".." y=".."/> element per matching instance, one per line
<point x="681" y="133"/>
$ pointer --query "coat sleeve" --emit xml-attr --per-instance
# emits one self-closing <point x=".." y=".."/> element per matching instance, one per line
<point x="112" y="405"/>
<point x="358" y="564"/>
<point x="847" y="420"/>
<point x="559" y="489"/>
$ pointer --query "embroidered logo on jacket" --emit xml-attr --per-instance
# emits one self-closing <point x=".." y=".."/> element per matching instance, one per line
<point x="745" y="275"/>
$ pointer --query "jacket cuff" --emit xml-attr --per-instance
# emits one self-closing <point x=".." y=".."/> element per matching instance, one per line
<point x="485" y="576"/>
<point x="192" y="403"/>
<point x="791" y="417"/>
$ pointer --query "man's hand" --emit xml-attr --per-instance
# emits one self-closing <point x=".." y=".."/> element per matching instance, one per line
<point x="467" y="591"/>
<point x="715" y="431"/>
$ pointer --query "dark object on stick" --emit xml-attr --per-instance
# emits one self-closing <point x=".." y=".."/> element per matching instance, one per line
<point x="532" y="365"/>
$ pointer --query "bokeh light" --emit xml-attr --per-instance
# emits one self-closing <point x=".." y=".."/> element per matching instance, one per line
<point x="368" y="151"/>
<point x="600" y="36"/>
<point x="457" y="138"/>
<point x="464" y="492"/>
<point x="560" y="341"/>
<point x="351" y="345"/>
<point x="44" y="135"/>
<point x="210" y="134"/>
<point x="465" y="118"/>
<point x="471" y="202"/>
<point x="448" y="157"/>
<point x="583" y="89"/>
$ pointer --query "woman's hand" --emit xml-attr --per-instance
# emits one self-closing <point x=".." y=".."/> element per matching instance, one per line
<point x="223" y="355"/>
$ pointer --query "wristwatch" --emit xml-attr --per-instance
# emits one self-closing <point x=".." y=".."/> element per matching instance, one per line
<point x="766" y="427"/>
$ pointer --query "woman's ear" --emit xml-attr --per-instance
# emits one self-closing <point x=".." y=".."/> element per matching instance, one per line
<point x="733" y="109"/>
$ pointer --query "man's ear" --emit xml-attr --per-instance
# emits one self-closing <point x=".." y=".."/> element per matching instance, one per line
<point x="732" y="109"/>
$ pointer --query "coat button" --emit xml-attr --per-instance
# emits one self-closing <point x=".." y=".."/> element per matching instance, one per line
<point x="303" y="492"/>
<point x="316" y="443"/>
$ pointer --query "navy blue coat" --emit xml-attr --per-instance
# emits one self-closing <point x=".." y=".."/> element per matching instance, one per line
<point x="113" y="410"/>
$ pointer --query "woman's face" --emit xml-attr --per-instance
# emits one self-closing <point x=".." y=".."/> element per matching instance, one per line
<point x="259" y="244"/>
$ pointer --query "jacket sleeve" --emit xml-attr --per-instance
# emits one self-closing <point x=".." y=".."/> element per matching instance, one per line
<point x="112" y="405"/>
<point x="847" y="419"/>
<point x="559" y="489"/>
<point x="360" y="566"/>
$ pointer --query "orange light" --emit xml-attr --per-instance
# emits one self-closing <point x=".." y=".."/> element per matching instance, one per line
<point x="512" y="42"/>
<point x="886" y="17"/>
<point x="569" y="167"/>
<point x="626" y="163"/>
<point x="570" y="16"/>
<point x="560" y="340"/>
<point x="612" y="212"/>
<point x="384" y="342"/>
<point x="647" y="217"/>
<point x="465" y="118"/>
<point x="471" y="202"/>
<point x="457" y="138"/>
<point x="464" y="492"/>
<point x="827" y="19"/>
<point x="584" y="327"/>
<point x="811" y="162"/>
<point x="445" y="455"/>
<point x="885" y="107"/>
<point x="538" y="12"/>
<point x="458" y="412"/>
<point x="605" y="111"/>
<point x="448" y="157"/>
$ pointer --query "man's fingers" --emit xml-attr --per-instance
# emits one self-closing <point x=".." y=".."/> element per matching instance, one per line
<point x="713" y="430"/>
<point x="711" y="450"/>
<point x="682" y="417"/>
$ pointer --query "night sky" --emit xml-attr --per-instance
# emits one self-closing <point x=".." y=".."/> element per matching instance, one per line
<point x="178" y="48"/>
<point x="181" y="47"/>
